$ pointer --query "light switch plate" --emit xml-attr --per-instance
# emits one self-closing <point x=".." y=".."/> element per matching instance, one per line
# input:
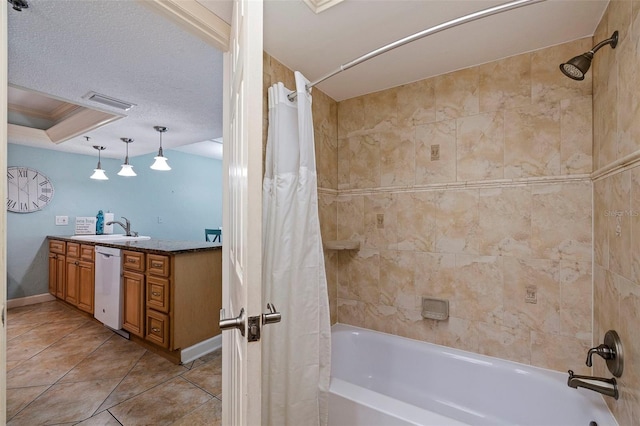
<point x="62" y="220"/>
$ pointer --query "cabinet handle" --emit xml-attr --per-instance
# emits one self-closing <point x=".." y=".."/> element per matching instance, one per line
<point x="76" y="263"/>
<point x="155" y="293"/>
<point x="131" y="260"/>
<point x="156" y="264"/>
<point x="155" y="329"/>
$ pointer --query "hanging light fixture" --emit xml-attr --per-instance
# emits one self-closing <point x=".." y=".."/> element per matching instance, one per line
<point x="161" y="160"/>
<point x="98" y="173"/>
<point x="127" y="169"/>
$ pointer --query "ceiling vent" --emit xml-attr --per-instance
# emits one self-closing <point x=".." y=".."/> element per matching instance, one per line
<point x="108" y="101"/>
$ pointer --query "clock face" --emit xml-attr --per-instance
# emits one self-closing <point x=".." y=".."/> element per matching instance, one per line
<point x="28" y="190"/>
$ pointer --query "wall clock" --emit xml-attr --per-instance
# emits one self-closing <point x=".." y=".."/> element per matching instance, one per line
<point x="28" y="190"/>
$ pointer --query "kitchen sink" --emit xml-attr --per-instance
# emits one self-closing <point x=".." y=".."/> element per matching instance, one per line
<point x="109" y="238"/>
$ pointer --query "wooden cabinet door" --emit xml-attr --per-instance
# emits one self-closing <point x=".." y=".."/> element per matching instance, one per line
<point x="133" y="302"/>
<point x="60" y="275"/>
<point x="86" y="286"/>
<point x="73" y="281"/>
<point x="158" y="328"/>
<point x="53" y="273"/>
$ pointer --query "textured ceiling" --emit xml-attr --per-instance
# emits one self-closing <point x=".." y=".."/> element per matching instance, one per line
<point x="67" y="48"/>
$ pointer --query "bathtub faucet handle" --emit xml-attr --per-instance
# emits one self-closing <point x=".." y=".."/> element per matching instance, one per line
<point x="603" y="350"/>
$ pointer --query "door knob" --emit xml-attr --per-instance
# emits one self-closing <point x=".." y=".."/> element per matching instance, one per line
<point x="230" y="323"/>
<point x="272" y="317"/>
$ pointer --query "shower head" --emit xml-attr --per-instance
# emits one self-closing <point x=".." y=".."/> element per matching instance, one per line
<point x="577" y="67"/>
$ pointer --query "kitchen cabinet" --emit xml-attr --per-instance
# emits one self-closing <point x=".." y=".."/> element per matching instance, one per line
<point x="133" y="290"/>
<point x="80" y="285"/>
<point x="57" y="268"/>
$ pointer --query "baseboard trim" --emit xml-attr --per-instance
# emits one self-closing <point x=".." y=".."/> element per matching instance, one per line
<point x="29" y="300"/>
<point x="196" y="351"/>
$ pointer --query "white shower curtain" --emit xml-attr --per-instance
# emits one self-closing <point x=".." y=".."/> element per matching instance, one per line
<point x="296" y="353"/>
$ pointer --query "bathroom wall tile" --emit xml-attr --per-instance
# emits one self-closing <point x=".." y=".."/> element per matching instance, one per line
<point x="628" y="101"/>
<point x="519" y="276"/>
<point x="416" y="220"/>
<point x="351" y="312"/>
<point x="600" y="73"/>
<point x="279" y="72"/>
<point x="416" y="103"/>
<point x="350" y="117"/>
<point x="443" y="134"/>
<point x="619" y="224"/>
<point x="344" y="158"/>
<point x="629" y="333"/>
<point x="364" y="160"/>
<point x="532" y="141"/>
<point x="328" y="214"/>
<point x="601" y="188"/>
<point x="380" y="110"/>
<point x="397" y="157"/>
<point x="364" y="276"/>
<point x="576" y="299"/>
<point x="559" y="353"/>
<point x="605" y="109"/>
<point x="504" y="342"/>
<point x="457" y="222"/>
<point x="505" y="83"/>
<point x="331" y="266"/>
<point x="380" y="221"/>
<point x="457" y="94"/>
<point x="343" y="288"/>
<point x="381" y="318"/>
<point x="548" y="84"/>
<point x="480" y="147"/>
<point x="576" y="135"/>
<point x="505" y="221"/>
<point x="350" y="211"/>
<point x="397" y="279"/>
<point x="619" y="18"/>
<point x="606" y="307"/>
<point x="561" y="221"/>
<point x="635" y="224"/>
<point x="435" y="276"/>
<point x="326" y="160"/>
<point x="410" y="324"/>
<point x="479" y="289"/>
<point x="457" y="333"/>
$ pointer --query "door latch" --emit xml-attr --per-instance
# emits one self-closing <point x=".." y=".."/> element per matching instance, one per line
<point x="256" y="322"/>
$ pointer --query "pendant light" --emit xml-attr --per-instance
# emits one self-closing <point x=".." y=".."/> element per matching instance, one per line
<point x="127" y="169"/>
<point x="161" y="160"/>
<point x="98" y="173"/>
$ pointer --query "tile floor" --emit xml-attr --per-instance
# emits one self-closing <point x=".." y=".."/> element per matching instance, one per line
<point x="64" y="368"/>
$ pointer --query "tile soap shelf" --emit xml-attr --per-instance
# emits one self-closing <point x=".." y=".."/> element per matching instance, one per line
<point x="342" y="245"/>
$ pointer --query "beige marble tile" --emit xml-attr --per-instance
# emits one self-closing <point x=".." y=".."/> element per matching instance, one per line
<point x="162" y="404"/>
<point x="505" y="221"/>
<point x="505" y="83"/>
<point x="457" y="333"/>
<point x="326" y="160"/>
<point x="364" y="160"/>
<point x="331" y="265"/>
<point x="350" y="117"/>
<point x="208" y="414"/>
<point x="380" y="110"/>
<point x="601" y="188"/>
<point x="364" y="276"/>
<point x="619" y="18"/>
<point x="351" y="312"/>
<point x="344" y="157"/>
<point x="576" y="135"/>
<point x="479" y="289"/>
<point x="19" y="398"/>
<point x="435" y="275"/>
<point x="628" y="331"/>
<point x="628" y="99"/>
<point x="416" y="220"/>
<point x="576" y="299"/>
<point x="328" y="215"/>
<point x="457" y="222"/>
<point x="280" y="72"/>
<point x="151" y="370"/>
<point x="64" y="403"/>
<point x="344" y="259"/>
<point x="619" y="224"/>
<point x="635" y="224"/>
<point x="416" y="103"/>
<point x="504" y="342"/>
<point x="532" y="141"/>
<point x="410" y="324"/>
<point x="559" y="353"/>
<point x="457" y="94"/>
<point x="443" y="134"/>
<point x="561" y="221"/>
<point x="548" y="84"/>
<point x="103" y="419"/>
<point x="480" y="147"/>
<point x="397" y="157"/>
<point x="207" y="376"/>
<point x="382" y="318"/>
<point x="397" y="279"/>
<point x="606" y="305"/>
<point x="605" y="108"/>
<point x="350" y="211"/>
<point x="380" y="221"/>
<point x="519" y="276"/>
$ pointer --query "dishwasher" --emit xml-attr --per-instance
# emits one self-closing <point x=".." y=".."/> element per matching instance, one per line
<point x="108" y="288"/>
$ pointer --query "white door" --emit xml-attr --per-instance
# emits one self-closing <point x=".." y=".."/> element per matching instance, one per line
<point x="3" y="212"/>
<point x="242" y="213"/>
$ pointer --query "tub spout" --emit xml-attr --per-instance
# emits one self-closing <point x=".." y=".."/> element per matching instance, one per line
<point x="608" y="387"/>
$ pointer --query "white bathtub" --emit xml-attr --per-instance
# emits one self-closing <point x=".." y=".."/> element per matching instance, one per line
<point x="381" y="379"/>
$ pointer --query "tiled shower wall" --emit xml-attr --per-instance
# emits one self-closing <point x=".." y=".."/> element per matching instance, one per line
<point x="473" y="187"/>
<point x="616" y="83"/>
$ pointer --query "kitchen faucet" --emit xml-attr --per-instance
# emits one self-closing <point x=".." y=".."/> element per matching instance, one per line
<point x="126" y="227"/>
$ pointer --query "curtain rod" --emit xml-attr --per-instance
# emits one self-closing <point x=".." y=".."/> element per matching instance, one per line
<point x="435" y="29"/>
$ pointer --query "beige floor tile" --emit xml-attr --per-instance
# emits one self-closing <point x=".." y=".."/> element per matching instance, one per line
<point x="17" y="399"/>
<point x="30" y="343"/>
<point x="15" y="330"/>
<point x="208" y="414"/>
<point x="206" y="358"/>
<point x="151" y="370"/>
<point x="39" y="371"/>
<point x="161" y="405"/>
<point x="103" y="419"/>
<point x="64" y="403"/>
<point x="112" y="360"/>
<point x="207" y="376"/>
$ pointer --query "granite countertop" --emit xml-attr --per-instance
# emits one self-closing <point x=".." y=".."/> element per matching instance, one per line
<point x="149" y="246"/>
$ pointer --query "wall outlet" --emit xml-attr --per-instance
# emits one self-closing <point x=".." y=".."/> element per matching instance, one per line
<point x="531" y="295"/>
<point x="160" y="220"/>
<point x="435" y="152"/>
<point x="62" y="220"/>
<point x="380" y="221"/>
